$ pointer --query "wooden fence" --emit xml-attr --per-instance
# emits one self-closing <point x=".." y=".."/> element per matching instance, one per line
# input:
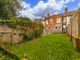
<point x="73" y="29"/>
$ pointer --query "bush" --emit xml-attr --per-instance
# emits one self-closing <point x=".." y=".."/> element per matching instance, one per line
<point x="27" y="37"/>
<point x="32" y="30"/>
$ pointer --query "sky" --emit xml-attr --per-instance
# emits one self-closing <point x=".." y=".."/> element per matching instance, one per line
<point x="35" y="9"/>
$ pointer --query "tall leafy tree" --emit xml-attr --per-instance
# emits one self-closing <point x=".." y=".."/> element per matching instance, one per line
<point x="9" y="8"/>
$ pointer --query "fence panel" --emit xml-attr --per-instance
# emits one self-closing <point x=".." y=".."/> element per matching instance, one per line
<point x="73" y="29"/>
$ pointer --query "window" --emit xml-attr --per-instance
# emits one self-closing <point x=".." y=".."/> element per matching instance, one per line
<point x="58" y="20"/>
<point x="46" y="21"/>
<point x="43" y="23"/>
<point x="51" y="21"/>
<point x="56" y="27"/>
<point x="64" y="26"/>
<point x="68" y="20"/>
<point x="64" y="21"/>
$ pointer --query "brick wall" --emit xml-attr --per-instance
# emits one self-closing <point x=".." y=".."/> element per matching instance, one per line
<point x="9" y="35"/>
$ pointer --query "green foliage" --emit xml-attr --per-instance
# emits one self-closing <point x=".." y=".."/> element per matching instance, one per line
<point x="14" y="22"/>
<point x="8" y="8"/>
<point x="27" y="37"/>
<point x="10" y="23"/>
<point x="32" y="30"/>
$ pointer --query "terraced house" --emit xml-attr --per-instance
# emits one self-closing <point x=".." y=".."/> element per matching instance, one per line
<point x="57" y="23"/>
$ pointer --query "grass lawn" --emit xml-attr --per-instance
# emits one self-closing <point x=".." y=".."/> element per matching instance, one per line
<point x="50" y="47"/>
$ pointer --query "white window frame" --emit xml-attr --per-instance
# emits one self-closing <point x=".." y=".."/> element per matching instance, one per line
<point x="47" y="22"/>
<point x="58" y="20"/>
<point x="51" y="21"/>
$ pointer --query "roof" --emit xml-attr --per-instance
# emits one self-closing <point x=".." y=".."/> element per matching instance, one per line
<point x="70" y="13"/>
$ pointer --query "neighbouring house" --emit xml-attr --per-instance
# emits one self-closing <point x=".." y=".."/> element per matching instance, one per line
<point x="57" y="23"/>
<point x="9" y="35"/>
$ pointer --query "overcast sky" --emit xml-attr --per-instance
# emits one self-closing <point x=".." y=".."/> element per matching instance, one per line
<point x="38" y="8"/>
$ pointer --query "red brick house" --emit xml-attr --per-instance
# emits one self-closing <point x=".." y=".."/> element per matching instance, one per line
<point x="57" y="23"/>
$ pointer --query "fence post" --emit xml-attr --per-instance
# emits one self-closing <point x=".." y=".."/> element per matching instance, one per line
<point x="71" y="30"/>
<point x="79" y="22"/>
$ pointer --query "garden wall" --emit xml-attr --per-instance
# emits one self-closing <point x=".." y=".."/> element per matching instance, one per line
<point x="9" y="35"/>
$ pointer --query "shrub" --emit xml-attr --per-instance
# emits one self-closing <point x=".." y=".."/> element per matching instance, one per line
<point x="27" y="37"/>
<point x="32" y="30"/>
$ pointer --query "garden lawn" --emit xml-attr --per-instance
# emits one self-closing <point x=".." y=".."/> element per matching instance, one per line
<point x="50" y="47"/>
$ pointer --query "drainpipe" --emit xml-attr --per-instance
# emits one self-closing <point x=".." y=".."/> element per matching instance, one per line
<point x="62" y="25"/>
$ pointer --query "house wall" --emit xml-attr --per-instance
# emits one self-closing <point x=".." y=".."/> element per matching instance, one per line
<point x="55" y="26"/>
<point x="52" y="25"/>
<point x="58" y="25"/>
<point x="66" y="21"/>
<point x="64" y="24"/>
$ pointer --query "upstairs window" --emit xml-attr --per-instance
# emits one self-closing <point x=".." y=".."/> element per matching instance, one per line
<point x="58" y="20"/>
<point x="47" y="22"/>
<point x="64" y="20"/>
<point x="51" y="21"/>
<point x="43" y="23"/>
<point x="64" y="26"/>
<point x="68" y="19"/>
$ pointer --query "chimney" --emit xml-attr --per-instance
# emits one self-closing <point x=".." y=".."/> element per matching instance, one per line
<point x="66" y="10"/>
<point x="48" y="15"/>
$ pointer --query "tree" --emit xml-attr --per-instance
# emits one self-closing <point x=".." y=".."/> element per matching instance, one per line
<point x="9" y="8"/>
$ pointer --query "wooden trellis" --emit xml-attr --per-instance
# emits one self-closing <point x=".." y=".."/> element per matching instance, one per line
<point x="73" y="29"/>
